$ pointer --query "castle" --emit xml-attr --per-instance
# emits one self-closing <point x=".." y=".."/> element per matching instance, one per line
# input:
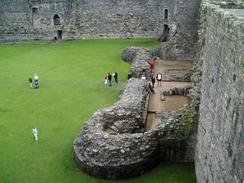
<point x="210" y="32"/>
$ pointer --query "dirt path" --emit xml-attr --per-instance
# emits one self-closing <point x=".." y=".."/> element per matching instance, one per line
<point x="171" y="103"/>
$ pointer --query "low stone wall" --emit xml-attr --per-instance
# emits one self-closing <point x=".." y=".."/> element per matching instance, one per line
<point x="112" y="144"/>
<point x="176" y="91"/>
<point x="175" y="135"/>
<point x="139" y="58"/>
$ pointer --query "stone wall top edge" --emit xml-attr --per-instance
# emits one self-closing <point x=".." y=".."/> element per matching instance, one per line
<point x="230" y="14"/>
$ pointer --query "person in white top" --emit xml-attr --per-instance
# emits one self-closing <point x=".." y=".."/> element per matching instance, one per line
<point x="36" y="81"/>
<point x="159" y="78"/>
<point x="35" y="133"/>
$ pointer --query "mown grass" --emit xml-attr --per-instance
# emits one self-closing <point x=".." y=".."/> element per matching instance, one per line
<point x="71" y="90"/>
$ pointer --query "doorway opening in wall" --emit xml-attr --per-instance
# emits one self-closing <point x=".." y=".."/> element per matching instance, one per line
<point x="165" y="36"/>
<point x="59" y="33"/>
<point x="56" y="20"/>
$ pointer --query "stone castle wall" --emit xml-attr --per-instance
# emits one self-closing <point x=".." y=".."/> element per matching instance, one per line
<point x="182" y="43"/>
<point x="34" y="19"/>
<point x="220" y="138"/>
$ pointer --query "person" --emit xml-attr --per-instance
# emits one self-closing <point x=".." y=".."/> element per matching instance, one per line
<point x="152" y="63"/>
<point x="30" y="81"/>
<point x="143" y="77"/>
<point x="159" y="78"/>
<point x="115" y="74"/>
<point x="35" y="133"/>
<point x="110" y="79"/>
<point x="151" y="88"/>
<point x="36" y="81"/>
<point x="153" y="80"/>
<point x="106" y="79"/>
<point x="129" y="76"/>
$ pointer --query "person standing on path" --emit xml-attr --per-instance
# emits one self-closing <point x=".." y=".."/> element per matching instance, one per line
<point x="159" y="78"/>
<point x="152" y="63"/>
<point x="116" y="77"/>
<point x="153" y="80"/>
<point x="30" y="81"/>
<point x="110" y="79"/>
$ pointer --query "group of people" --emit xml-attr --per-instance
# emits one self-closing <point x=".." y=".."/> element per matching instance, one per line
<point x="36" y="81"/>
<point x="108" y="78"/>
<point x="157" y="77"/>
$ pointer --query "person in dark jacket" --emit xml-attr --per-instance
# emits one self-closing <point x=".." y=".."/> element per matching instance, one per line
<point x="129" y="76"/>
<point x="115" y="74"/>
<point x="153" y="80"/>
<point x="30" y="82"/>
<point x="110" y="79"/>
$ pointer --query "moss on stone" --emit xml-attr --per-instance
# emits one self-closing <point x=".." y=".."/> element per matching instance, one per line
<point x="187" y="123"/>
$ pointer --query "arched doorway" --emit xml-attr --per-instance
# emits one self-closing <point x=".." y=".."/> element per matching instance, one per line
<point x="165" y="36"/>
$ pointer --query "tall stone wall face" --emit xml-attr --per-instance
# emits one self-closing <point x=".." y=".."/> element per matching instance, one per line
<point x="220" y="138"/>
<point x="34" y="19"/>
<point x="183" y="39"/>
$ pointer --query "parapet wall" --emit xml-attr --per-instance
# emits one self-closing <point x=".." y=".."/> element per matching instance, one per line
<point x="220" y="138"/>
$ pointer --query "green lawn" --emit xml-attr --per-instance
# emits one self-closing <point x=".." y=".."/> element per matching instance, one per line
<point x="71" y="89"/>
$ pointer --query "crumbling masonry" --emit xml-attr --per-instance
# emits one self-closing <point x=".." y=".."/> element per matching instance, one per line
<point x="209" y="32"/>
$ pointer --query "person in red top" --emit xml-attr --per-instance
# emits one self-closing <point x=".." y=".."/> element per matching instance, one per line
<point x="152" y="63"/>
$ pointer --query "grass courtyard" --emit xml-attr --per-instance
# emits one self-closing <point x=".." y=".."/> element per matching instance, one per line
<point x="71" y="89"/>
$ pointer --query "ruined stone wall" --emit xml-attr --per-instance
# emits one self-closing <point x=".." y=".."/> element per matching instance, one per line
<point x="183" y="39"/>
<point x="34" y="19"/>
<point x="220" y="138"/>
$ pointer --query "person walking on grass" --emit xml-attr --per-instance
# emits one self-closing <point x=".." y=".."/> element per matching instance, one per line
<point x="110" y="79"/>
<point x="36" y="81"/>
<point x="30" y="81"/>
<point x="106" y="79"/>
<point x="115" y="74"/>
<point x="35" y="133"/>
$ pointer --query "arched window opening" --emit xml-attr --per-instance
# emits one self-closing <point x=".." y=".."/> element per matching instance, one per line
<point x="166" y="14"/>
<point x="34" y="10"/>
<point x="56" y="20"/>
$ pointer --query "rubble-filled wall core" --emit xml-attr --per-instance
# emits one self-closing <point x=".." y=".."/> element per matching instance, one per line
<point x="35" y="19"/>
<point x="220" y="138"/>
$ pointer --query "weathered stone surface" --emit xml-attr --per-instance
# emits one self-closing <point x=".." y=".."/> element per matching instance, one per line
<point x="139" y="58"/>
<point x="112" y="144"/>
<point x="220" y="142"/>
<point x="34" y="19"/>
<point x="182" y="44"/>
<point x="176" y="91"/>
<point x="175" y="135"/>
